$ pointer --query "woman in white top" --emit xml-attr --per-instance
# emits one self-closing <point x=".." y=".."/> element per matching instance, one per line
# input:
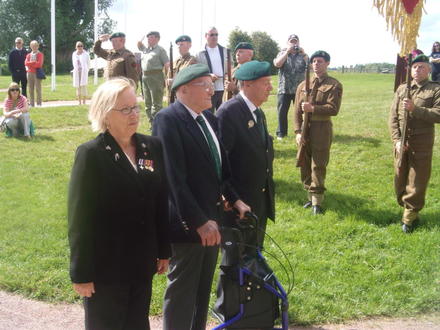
<point x="81" y="65"/>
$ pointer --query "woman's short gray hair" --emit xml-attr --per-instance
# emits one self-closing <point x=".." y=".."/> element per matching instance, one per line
<point x="104" y="100"/>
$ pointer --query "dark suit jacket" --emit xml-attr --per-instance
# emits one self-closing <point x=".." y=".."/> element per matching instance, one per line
<point x="117" y="218"/>
<point x="195" y="189"/>
<point x="250" y="157"/>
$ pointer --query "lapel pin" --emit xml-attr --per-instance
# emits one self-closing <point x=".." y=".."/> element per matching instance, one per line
<point x="116" y="156"/>
<point x="251" y="123"/>
<point x="143" y="145"/>
<point x="108" y="148"/>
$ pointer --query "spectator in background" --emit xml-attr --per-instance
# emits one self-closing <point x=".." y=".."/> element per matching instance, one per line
<point x="34" y="60"/>
<point x="292" y="63"/>
<point x="81" y="65"/>
<point x="434" y="58"/>
<point x="16" y="112"/>
<point x="16" y="59"/>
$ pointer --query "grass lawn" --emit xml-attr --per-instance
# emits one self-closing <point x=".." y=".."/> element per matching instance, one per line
<point x="64" y="88"/>
<point x="350" y="263"/>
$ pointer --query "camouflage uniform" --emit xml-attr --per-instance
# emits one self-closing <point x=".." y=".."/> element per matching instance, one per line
<point x="119" y="62"/>
<point x="289" y="77"/>
<point x="153" y="61"/>
<point x="411" y="180"/>
<point x="326" y="98"/>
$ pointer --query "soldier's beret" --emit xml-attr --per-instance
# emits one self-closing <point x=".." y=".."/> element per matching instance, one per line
<point x="243" y="45"/>
<point x="421" y="58"/>
<point x="183" y="38"/>
<point x="253" y="70"/>
<point x="293" y="36"/>
<point x="117" y="35"/>
<point x="320" y="53"/>
<point x="153" y="33"/>
<point x="189" y="73"/>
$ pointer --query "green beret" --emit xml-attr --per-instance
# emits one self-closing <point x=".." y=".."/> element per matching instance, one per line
<point x="189" y="73"/>
<point x="153" y="33"/>
<point x="420" y="58"/>
<point x="243" y="45"/>
<point x="117" y="35"/>
<point x="320" y="53"/>
<point x="183" y="38"/>
<point x="252" y="70"/>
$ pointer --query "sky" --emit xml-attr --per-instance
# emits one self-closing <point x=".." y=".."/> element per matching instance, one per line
<point x="352" y="31"/>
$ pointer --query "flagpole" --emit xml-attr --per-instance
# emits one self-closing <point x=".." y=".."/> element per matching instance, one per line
<point x="52" y="44"/>
<point x="95" y="81"/>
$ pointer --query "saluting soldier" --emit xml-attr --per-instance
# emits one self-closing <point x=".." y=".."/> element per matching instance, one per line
<point x="120" y="61"/>
<point x="326" y="95"/>
<point x="186" y="59"/>
<point x="411" y="179"/>
<point x="154" y="60"/>
<point x="244" y="52"/>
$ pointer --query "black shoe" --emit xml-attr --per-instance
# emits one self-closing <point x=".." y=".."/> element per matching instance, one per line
<point x="317" y="209"/>
<point x="410" y="228"/>
<point x="307" y="204"/>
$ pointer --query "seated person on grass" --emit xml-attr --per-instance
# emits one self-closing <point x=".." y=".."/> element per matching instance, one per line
<point x="16" y="112"/>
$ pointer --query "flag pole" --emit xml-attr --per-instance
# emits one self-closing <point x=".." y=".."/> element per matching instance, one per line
<point x="95" y="81"/>
<point x="52" y="44"/>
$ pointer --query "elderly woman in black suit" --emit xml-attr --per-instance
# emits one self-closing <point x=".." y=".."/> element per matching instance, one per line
<point x="117" y="213"/>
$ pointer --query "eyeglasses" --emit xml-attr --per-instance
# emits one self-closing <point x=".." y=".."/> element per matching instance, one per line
<point x="80" y="46"/>
<point x="206" y="85"/>
<point x="127" y="111"/>
<point x="14" y="89"/>
<point x="213" y="34"/>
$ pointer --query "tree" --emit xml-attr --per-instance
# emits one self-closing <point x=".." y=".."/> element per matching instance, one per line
<point x="266" y="49"/>
<point x="30" y="19"/>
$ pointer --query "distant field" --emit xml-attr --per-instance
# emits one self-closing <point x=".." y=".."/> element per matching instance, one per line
<point x="351" y="263"/>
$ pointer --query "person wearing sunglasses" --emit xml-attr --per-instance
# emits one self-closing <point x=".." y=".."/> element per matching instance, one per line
<point x="434" y="58"/>
<point x="216" y="58"/>
<point x="16" y="59"/>
<point x="117" y="213"/>
<point x="16" y="112"/>
<point x="81" y="66"/>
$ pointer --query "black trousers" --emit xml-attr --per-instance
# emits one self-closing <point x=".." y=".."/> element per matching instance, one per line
<point x="216" y="100"/>
<point x="21" y="79"/>
<point x="118" y="307"/>
<point x="187" y="295"/>
<point x="284" y="101"/>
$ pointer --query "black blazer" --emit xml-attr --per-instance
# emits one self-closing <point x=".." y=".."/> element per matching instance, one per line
<point x="117" y="218"/>
<point x="250" y="157"/>
<point x="195" y="189"/>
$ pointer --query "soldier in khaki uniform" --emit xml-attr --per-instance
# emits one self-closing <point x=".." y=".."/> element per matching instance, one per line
<point x="244" y="52"/>
<point x="186" y="59"/>
<point x="326" y="95"/>
<point x="120" y="61"/>
<point x="154" y="61"/>
<point x="411" y="179"/>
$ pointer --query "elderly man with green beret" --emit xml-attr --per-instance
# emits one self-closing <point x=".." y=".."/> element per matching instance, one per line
<point x="244" y="52"/>
<point x="324" y="103"/>
<point x="120" y="61"/>
<point x="199" y="178"/>
<point x="412" y="177"/>
<point x="186" y="59"/>
<point x="154" y="60"/>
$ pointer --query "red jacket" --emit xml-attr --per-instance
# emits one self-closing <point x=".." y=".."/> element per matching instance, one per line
<point x="33" y="66"/>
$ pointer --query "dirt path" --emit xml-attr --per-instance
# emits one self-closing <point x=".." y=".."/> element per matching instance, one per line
<point x="18" y="313"/>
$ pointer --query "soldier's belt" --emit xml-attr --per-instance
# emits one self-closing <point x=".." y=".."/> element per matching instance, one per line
<point x="419" y="131"/>
<point x="150" y="72"/>
<point x="320" y="118"/>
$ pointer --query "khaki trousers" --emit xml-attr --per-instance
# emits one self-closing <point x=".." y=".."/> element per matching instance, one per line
<point x="154" y="84"/>
<point x="34" y="84"/>
<point x="316" y="159"/>
<point x="411" y="180"/>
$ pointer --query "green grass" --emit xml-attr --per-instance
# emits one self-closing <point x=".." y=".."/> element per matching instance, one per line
<point x="353" y="262"/>
<point x="64" y="88"/>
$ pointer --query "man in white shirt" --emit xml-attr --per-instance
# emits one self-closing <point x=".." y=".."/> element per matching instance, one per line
<point x="216" y="58"/>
